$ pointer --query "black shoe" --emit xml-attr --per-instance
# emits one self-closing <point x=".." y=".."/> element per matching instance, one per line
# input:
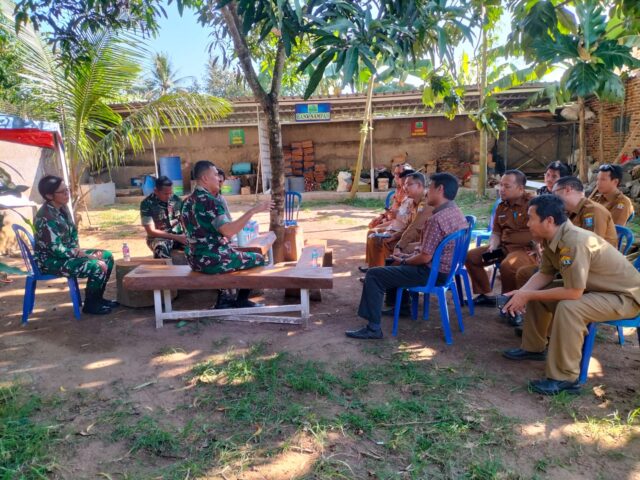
<point x="390" y="312"/>
<point x="110" y="303"/>
<point x="246" y="304"/>
<point x="515" y="321"/>
<point x="361" y="279"/>
<point x="364" y="333"/>
<point x="518" y="331"/>
<point x="363" y="269"/>
<point x="549" y="386"/>
<point x="520" y="354"/>
<point x="483" y="300"/>
<point x="95" y="308"/>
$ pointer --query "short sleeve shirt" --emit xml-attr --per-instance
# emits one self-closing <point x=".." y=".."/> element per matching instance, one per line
<point x="510" y="223"/>
<point x="163" y="216"/>
<point x="595" y="218"/>
<point x="446" y="219"/>
<point x="586" y="261"/>
<point x="202" y="216"/>
<point x="618" y="205"/>
<point x="56" y="237"/>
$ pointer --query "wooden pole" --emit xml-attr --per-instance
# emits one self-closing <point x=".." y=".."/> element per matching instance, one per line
<point x="364" y="130"/>
<point x="482" y="178"/>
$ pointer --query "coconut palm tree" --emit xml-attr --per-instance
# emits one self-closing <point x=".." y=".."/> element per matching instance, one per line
<point x="80" y="98"/>
<point x="163" y="78"/>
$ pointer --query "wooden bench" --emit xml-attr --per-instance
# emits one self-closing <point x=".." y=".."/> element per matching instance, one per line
<point x="262" y="244"/>
<point x="162" y="278"/>
<point x="325" y="257"/>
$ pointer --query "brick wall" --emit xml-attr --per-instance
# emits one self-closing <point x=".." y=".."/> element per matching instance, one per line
<point x="614" y="142"/>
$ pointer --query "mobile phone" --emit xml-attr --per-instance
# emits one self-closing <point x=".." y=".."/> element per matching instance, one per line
<point x="493" y="257"/>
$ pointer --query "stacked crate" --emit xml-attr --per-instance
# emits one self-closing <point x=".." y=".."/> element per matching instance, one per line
<point x="308" y="159"/>
<point x="286" y="155"/>
<point x="320" y="173"/>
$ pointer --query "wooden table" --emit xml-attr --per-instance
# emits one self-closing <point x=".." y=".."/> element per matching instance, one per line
<point x="262" y="244"/>
<point x="136" y="299"/>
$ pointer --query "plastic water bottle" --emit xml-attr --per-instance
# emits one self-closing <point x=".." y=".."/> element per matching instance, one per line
<point x="314" y="258"/>
<point x="126" y="254"/>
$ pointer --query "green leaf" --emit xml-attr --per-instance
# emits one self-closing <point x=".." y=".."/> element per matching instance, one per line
<point x="614" y="55"/>
<point x="566" y="21"/>
<point x="428" y="97"/>
<point x="316" y="76"/>
<point x="611" y="88"/>
<point x="592" y="21"/>
<point x="581" y="79"/>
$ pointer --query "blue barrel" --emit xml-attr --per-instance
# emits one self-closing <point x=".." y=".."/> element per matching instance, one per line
<point x="148" y="184"/>
<point x="170" y="166"/>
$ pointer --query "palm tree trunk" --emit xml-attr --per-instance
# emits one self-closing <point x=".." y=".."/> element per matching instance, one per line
<point x="582" y="143"/>
<point x="364" y="131"/>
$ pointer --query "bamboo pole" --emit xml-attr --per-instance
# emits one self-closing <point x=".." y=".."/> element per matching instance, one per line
<point x="364" y="131"/>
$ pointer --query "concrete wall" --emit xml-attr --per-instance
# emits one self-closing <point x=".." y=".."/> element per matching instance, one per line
<point x="615" y="142"/>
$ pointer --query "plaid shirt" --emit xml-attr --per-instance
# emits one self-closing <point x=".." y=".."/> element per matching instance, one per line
<point x="446" y="219"/>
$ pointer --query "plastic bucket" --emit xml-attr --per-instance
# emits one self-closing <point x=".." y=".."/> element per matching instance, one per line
<point x="383" y="184"/>
<point x="241" y="168"/>
<point x="296" y="184"/>
<point x="170" y="166"/>
<point x="231" y="187"/>
<point x="148" y="184"/>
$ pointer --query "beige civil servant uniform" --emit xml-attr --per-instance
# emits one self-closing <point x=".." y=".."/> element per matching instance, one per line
<point x="618" y="205"/>
<point x="611" y="292"/>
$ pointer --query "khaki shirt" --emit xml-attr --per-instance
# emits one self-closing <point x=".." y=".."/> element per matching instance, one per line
<point x="594" y="217"/>
<point x="413" y="232"/>
<point x="510" y="223"/>
<point x="586" y="261"/>
<point x="618" y="205"/>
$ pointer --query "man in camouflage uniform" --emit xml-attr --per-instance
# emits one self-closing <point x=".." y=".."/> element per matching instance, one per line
<point x="160" y="215"/>
<point x="208" y="230"/>
<point x="57" y="251"/>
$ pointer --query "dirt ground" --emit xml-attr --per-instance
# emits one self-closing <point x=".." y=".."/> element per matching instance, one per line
<point x="114" y="356"/>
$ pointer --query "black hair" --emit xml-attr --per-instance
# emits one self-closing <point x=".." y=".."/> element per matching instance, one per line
<point x="406" y="173"/>
<point x="562" y="168"/>
<point x="573" y="183"/>
<point x="418" y="177"/>
<point x="201" y="167"/>
<point x="549" y="206"/>
<point x="48" y="185"/>
<point x="221" y="173"/>
<point x="163" y="181"/>
<point x="615" y="171"/>
<point x="521" y="178"/>
<point x="449" y="184"/>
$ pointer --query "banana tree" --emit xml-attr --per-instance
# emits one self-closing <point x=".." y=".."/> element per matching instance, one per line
<point x="592" y="41"/>
<point x="79" y="98"/>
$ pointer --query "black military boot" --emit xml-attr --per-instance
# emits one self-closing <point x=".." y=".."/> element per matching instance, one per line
<point x="108" y="303"/>
<point x="225" y="300"/>
<point x="242" y="299"/>
<point x="93" y="303"/>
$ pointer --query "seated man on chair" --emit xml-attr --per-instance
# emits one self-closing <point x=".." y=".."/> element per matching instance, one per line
<point x="208" y="230"/>
<point x="598" y="284"/>
<point x="57" y="251"/>
<point x="555" y="171"/>
<point x="510" y="237"/>
<point x="160" y="215"/>
<point x="413" y="270"/>
<point x="608" y="195"/>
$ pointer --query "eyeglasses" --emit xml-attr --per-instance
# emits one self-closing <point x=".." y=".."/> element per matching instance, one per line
<point x="64" y="190"/>
<point x="605" y="168"/>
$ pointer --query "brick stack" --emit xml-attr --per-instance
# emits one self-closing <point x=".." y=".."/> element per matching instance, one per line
<point x="308" y="159"/>
<point x="450" y="165"/>
<point x="320" y="172"/>
<point x="430" y="167"/>
<point x="286" y="155"/>
<point x="297" y="162"/>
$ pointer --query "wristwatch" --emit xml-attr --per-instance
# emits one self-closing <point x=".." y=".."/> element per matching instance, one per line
<point x="403" y="261"/>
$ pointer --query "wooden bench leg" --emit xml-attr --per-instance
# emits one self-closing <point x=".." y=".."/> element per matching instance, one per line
<point x="157" y="303"/>
<point x="167" y="301"/>
<point x="270" y="256"/>
<point x="304" y="306"/>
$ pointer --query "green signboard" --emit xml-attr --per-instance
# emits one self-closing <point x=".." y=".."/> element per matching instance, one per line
<point x="236" y="136"/>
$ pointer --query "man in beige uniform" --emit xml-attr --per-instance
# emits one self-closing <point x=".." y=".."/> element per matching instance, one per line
<point x="598" y="284"/>
<point x="583" y="213"/>
<point x="607" y="182"/>
<point x="510" y="233"/>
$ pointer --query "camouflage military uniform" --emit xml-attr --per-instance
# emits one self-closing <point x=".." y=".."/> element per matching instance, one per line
<point x="207" y="250"/>
<point x="164" y="216"/>
<point x="57" y="246"/>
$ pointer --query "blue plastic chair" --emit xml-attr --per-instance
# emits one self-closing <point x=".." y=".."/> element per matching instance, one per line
<point x="292" y="202"/>
<point x="462" y="276"/>
<point x="458" y="238"/>
<point x="387" y="201"/>
<point x="34" y="275"/>
<point x="482" y="235"/>
<point x="625" y="239"/>
<point x="587" y="347"/>
<point x="633" y="214"/>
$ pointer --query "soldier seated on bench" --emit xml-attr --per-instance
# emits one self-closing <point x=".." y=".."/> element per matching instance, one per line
<point x="160" y="215"/>
<point x="209" y="230"/>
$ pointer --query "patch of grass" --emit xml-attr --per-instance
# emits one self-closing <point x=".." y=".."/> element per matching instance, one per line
<point x="114" y="216"/>
<point x="24" y="443"/>
<point x="168" y="350"/>
<point x="146" y="434"/>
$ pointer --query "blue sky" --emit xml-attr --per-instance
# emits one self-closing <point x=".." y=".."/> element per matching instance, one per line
<point x="184" y="40"/>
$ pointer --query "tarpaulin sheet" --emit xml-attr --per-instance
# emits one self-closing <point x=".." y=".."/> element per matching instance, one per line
<point x="29" y="136"/>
